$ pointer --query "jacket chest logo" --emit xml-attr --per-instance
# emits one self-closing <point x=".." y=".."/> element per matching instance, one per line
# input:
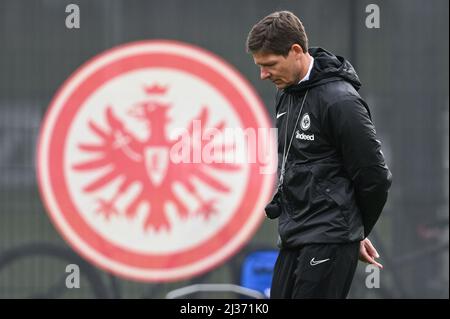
<point x="303" y="136"/>
<point x="305" y="123"/>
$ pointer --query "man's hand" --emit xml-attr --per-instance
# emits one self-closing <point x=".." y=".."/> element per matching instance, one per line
<point x="368" y="253"/>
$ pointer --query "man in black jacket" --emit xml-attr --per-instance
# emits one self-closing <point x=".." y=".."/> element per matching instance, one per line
<point x="333" y="180"/>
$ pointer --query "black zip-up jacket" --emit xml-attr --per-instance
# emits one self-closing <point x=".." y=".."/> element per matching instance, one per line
<point x="336" y="180"/>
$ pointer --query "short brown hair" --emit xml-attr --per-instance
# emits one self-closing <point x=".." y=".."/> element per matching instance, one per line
<point x="276" y="34"/>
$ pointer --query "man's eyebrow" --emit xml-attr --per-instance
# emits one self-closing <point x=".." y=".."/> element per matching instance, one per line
<point x="267" y="63"/>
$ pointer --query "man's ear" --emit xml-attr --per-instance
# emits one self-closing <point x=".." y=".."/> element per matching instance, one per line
<point x="297" y="49"/>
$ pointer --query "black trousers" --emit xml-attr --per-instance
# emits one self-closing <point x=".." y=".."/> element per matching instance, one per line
<point x="315" y="271"/>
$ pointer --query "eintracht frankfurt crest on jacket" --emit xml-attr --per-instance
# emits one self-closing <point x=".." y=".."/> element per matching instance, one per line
<point x="130" y="172"/>
<point x="305" y="123"/>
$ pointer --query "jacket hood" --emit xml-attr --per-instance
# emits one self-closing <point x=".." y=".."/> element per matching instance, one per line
<point x="327" y="68"/>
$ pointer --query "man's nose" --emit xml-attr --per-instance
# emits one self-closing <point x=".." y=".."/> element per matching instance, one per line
<point x="264" y="74"/>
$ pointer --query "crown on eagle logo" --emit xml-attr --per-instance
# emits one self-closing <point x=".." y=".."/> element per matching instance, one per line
<point x="155" y="89"/>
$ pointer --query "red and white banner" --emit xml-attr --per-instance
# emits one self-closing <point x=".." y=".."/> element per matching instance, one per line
<point x="130" y="172"/>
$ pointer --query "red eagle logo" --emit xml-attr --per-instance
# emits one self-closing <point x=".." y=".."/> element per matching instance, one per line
<point x="147" y="162"/>
<point x="155" y="160"/>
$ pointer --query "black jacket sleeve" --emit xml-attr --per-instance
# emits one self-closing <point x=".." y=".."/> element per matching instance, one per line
<point x="353" y="133"/>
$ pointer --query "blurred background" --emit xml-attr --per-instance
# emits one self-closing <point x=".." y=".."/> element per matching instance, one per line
<point x="403" y="66"/>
